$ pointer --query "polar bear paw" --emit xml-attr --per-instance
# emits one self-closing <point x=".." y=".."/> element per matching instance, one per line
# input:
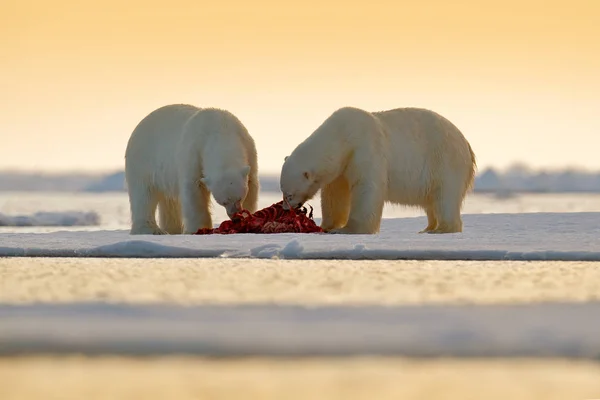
<point x="341" y="231"/>
<point x="148" y="230"/>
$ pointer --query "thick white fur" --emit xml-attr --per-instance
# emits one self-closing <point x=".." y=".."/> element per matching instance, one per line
<point x="176" y="157"/>
<point x="360" y="160"/>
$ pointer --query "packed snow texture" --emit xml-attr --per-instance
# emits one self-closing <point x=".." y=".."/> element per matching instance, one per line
<point x="42" y="218"/>
<point x="537" y="330"/>
<point x="536" y="236"/>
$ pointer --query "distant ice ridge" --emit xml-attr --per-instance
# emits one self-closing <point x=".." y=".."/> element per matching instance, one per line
<point x="535" y="236"/>
<point x="43" y="218"/>
<point x="517" y="179"/>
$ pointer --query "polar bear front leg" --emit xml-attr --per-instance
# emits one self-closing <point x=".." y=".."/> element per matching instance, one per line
<point x="143" y="200"/>
<point x="251" y="201"/>
<point x="367" y="201"/>
<point x="195" y="206"/>
<point x="335" y="204"/>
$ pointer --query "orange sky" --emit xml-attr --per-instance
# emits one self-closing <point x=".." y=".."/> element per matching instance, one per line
<point x="519" y="78"/>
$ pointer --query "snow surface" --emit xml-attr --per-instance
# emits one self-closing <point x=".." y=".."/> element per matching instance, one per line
<point x="44" y="218"/>
<point x="535" y="236"/>
<point x="536" y="330"/>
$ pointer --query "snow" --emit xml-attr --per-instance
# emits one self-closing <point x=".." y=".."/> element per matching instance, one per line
<point x="59" y="218"/>
<point x="535" y="330"/>
<point x="533" y="236"/>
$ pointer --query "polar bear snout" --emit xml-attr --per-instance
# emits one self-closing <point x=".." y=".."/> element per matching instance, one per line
<point x="233" y="208"/>
<point x="291" y="203"/>
<point x="297" y="205"/>
<point x="288" y="206"/>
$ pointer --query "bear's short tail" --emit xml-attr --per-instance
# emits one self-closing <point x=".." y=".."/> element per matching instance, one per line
<point x="471" y="179"/>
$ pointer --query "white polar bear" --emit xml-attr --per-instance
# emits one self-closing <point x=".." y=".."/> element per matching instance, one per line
<point x="360" y="160"/>
<point x="176" y="157"/>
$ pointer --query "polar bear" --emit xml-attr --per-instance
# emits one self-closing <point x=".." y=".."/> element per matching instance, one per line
<point x="360" y="160"/>
<point x="176" y="157"/>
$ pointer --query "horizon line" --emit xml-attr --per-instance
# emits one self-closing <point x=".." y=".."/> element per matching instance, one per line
<point x="110" y="171"/>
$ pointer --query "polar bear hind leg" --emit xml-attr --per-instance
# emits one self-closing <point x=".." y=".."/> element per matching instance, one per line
<point x="432" y="222"/>
<point x="447" y="206"/>
<point x="143" y="200"/>
<point x="335" y="204"/>
<point x="169" y="212"/>
<point x="195" y="205"/>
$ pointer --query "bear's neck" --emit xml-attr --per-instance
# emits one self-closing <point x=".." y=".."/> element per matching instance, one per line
<point x="328" y="155"/>
<point x="215" y="163"/>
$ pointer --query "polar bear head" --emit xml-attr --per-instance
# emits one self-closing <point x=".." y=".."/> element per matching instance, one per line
<point x="229" y="188"/>
<point x="298" y="182"/>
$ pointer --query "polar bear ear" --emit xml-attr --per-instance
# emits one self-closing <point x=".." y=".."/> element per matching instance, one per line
<point x="285" y="158"/>
<point x="245" y="171"/>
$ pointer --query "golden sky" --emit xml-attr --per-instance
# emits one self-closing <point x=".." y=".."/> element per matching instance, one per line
<point x="520" y="78"/>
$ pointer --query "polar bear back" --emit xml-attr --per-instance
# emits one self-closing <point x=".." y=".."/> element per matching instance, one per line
<point x="178" y="139"/>
<point x="418" y="149"/>
<point x="219" y="139"/>
<point x="421" y="127"/>
<point x="422" y="147"/>
<point x="154" y="140"/>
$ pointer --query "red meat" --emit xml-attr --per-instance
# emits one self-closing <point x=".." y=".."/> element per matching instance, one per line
<point x="273" y="219"/>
